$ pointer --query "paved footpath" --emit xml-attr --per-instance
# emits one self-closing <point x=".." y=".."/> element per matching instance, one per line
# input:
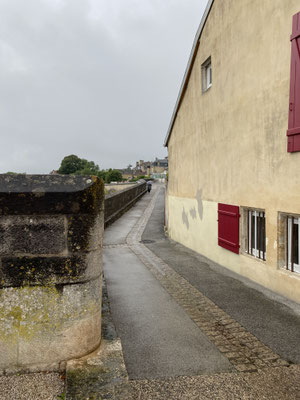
<point x="189" y="328"/>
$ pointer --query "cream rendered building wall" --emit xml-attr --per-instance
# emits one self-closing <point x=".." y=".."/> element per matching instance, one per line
<point x="229" y="144"/>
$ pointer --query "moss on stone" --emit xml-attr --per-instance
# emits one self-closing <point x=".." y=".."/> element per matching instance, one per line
<point x="44" y="262"/>
<point x="42" y="271"/>
<point x="87" y="382"/>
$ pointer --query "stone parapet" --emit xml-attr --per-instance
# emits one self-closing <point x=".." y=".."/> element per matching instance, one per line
<point x="118" y="203"/>
<point x="51" y="233"/>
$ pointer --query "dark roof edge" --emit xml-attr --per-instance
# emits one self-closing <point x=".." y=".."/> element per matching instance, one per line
<point x="188" y="69"/>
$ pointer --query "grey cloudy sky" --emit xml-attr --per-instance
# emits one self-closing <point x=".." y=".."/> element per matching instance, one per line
<point x="96" y="78"/>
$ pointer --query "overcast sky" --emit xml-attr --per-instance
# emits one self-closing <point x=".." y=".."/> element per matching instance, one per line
<point x="96" y="78"/>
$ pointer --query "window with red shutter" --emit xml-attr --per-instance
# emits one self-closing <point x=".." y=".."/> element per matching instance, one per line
<point x="293" y="132"/>
<point x="229" y="227"/>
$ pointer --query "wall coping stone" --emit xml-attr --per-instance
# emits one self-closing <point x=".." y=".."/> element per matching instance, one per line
<point x="21" y="183"/>
<point x="124" y="190"/>
<point x="50" y="194"/>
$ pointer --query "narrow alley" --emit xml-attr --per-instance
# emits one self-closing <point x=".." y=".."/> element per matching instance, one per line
<point x="189" y="328"/>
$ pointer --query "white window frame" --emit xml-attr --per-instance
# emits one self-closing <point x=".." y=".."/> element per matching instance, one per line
<point x="206" y="75"/>
<point x="292" y="266"/>
<point x="252" y="248"/>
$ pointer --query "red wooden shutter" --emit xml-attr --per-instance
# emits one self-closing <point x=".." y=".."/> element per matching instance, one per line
<point x="229" y="227"/>
<point x="293" y="132"/>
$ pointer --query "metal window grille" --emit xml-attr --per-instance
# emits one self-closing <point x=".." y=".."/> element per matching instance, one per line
<point x="257" y="234"/>
<point x="293" y="249"/>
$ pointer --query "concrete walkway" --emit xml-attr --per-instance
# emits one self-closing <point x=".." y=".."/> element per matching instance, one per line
<point x="158" y="337"/>
<point x="189" y="328"/>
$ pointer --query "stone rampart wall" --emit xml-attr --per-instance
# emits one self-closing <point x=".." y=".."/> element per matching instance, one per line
<point x="51" y="232"/>
<point x="118" y="203"/>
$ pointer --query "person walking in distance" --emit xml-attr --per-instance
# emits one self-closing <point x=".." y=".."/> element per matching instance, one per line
<point x="149" y="186"/>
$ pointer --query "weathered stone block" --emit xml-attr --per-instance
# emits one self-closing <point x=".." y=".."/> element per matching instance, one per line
<point x="33" y="271"/>
<point x="77" y="340"/>
<point x="8" y="352"/>
<point x="51" y="234"/>
<point x="84" y="232"/>
<point x="32" y="234"/>
<point x="22" y="271"/>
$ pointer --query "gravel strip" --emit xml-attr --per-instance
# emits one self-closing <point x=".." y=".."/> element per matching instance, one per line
<point x="270" y="384"/>
<point x="40" y="386"/>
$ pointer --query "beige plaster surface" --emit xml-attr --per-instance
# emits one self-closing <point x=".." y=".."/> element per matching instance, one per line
<point x="201" y="235"/>
<point x="229" y="144"/>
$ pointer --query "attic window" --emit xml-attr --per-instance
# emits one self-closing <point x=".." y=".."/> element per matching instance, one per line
<point x="206" y="75"/>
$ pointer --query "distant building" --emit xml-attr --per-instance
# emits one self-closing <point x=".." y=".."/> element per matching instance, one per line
<point x="143" y="166"/>
<point x="128" y="173"/>
<point x="158" y="166"/>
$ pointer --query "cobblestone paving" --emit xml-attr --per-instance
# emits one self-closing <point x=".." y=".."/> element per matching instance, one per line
<point x="245" y="352"/>
<point x="114" y="246"/>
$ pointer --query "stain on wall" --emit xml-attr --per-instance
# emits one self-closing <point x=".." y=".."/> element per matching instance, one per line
<point x="185" y="218"/>
<point x="193" y="213"/>
<point x="200" y="203"/>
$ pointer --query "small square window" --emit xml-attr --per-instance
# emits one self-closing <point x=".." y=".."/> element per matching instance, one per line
<point x="206" y="75"/>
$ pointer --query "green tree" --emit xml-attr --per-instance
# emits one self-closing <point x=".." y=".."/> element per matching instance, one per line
<point x="71" y="165"/>
<point x="89" y="168"/>
<point x="102" y="174"/>
<point x="113" y="175"/>
<point x="78" y="166"/>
